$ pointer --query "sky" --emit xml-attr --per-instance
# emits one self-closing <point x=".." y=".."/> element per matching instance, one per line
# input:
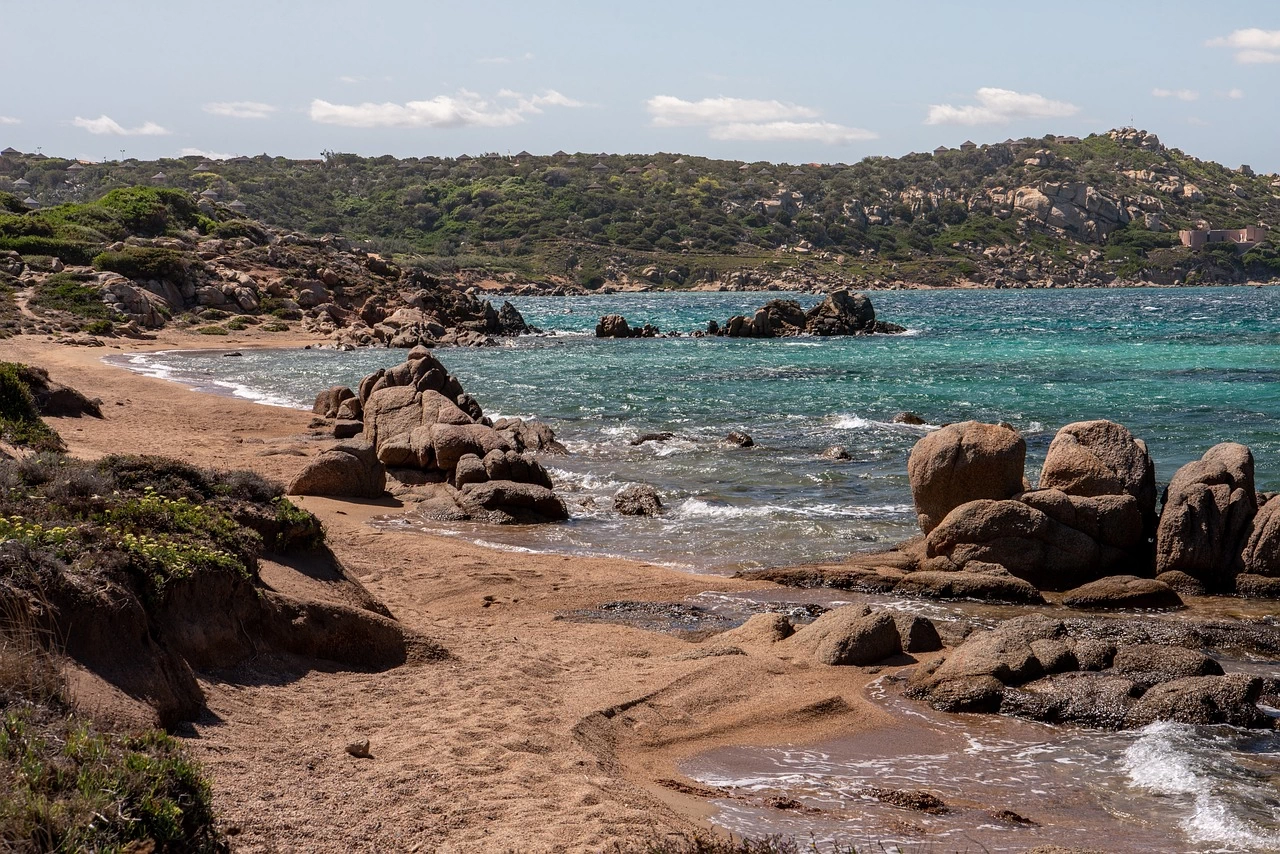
<point x="800" y="81"/>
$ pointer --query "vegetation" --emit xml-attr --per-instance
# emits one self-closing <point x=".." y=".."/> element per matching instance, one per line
<point x="68" y="786"/>
<point x="20" y="421"/>
<point x="65" y="292"/>
<point x="666" y="218"/>
<point x="706" y="844"/>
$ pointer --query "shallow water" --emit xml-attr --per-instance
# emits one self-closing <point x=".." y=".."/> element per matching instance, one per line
<point x="1167" y="787"/>
<point x="1183" y="369"/>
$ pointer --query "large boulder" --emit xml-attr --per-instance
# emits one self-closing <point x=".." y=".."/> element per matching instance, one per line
<point x="842" y="313"/>
<point x="390" y="415"/>
<point x="851" y="635"/>
<point x="349" y="469"/>
<point x="1023" y="540"/>
<point x="1123" y="591"/>
<point x="613" y="326"/>
<point x="1208" y="510"/>
<point x="1261" y="554"/>
<point x="962" y="463"/>
<point x="523" y="502"/>
<point x="638" y="499"/>
<point x="1231" y="699"/>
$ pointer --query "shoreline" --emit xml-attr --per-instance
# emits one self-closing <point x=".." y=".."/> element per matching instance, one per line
<point x="539" y="685"/>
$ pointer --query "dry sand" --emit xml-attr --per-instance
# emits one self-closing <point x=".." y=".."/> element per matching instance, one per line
<point x="538" y="734"/>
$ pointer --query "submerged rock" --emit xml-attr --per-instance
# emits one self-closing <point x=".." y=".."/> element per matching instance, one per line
<point x="1123" y="591"/>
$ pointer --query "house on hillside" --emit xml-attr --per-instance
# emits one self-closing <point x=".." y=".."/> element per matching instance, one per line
<point x="968" y="145"/>
<point x="940" y="150"/>
<point x="1243" y="238"/>
<point x="10" y="152"/>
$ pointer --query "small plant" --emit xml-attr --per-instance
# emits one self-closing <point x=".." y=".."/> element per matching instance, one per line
<point x="20" y="421"/>
<point x="275" y="326"/>
<point x="64" y="292"/>
<point x="212" y="330"/>
<point x="100" y="327"/>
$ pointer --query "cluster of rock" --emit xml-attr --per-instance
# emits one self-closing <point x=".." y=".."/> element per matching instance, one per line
<point x="1113" y="675"/>
<point x="325" y="284"/>
<point x="616" y="326"/>
<point x="415" y="422"/>
<point x="839" y="313"/>
<point x="851" y="636"/>
<point x="1093" y="513"/>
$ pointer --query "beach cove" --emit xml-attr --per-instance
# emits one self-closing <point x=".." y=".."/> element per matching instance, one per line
<point x="532" y="703"/>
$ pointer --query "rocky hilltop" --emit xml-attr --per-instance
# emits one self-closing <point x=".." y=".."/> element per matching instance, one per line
<point x="162" y="257"/>
<point x="1035" y="212"/>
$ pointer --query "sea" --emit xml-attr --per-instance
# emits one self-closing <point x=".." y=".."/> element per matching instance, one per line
<point x="1182" y="368"/>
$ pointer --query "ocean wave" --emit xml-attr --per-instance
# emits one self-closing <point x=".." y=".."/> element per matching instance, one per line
<point x="1229" y="805"/>
<point x="700" y="508"/>
<point x="857" y="422"/>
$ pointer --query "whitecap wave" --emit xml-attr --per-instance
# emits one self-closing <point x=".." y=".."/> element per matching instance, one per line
<point x="1179" y="761"/>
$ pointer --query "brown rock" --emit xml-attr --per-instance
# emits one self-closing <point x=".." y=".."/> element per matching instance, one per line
<point x="1261" y="554"/>
<point x="918" y="633"/>
<point x="969" y="585"/>
<point x="522" y="501"/>
<point x="962" y="463"/>
<point x="1123" y="591"/>
<point x="1020" y="538"/>
<point x="849" y="636"/>
<point x="1252" y="586"/>
<point x="1148" y="664"/>
<point x="1094" y="458"/>
<point x="451" y="442"/>
<point x="1231" y="699"/>
<point x="347" y="469"/>
<point x="328" y="401"/>
<point x="1181" y="583"/>
<point x="638" y="499"/>
<point x="1205" y="524"/>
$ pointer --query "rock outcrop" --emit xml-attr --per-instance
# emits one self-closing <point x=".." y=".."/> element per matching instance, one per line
<point x="1209" y="507"/>
<point x="840" y="313"/>
<point x="1261" y="554"/>
<point x="1049" y="670"/>
<point x="962" y="463"/>
<point x="348" y="469"/>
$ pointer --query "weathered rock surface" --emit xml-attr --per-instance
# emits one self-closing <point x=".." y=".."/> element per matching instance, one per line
<point x="638" y="499"/>
<point x="841" y="312"/>
<point x="984" y="586"/>
<point x="1261" y="555"/>
<point x="1208" y="510"/>
<point x="851" y="635"/>
<point x="962" y="463"/>
<point x="349" y="469"/>
<point x="1123" y="591"/>
<point x="1059" y="671"/>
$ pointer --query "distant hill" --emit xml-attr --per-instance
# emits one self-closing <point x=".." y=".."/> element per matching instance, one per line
<point x="1033" y="212"/>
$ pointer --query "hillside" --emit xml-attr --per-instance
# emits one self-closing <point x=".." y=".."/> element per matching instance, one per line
<point x="1035" y="212"/>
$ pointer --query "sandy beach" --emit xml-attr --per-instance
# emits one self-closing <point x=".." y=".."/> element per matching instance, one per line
<point x="537" y="734"/>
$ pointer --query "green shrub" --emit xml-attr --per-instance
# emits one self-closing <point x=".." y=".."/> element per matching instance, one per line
<point x="10" y="202"/>
<point x="145" y="262"/>
<point x="150" y="211"/>
<point x="100" y="327"/>
<point x="64" y="292"/>
<point x="71" y="787"/>
<point x="70" y="251"/>
<point x="212" y="330"/>
<point x="237" y="324"/>
<point x="275" y="326"/>
<point x="20" y="421"/>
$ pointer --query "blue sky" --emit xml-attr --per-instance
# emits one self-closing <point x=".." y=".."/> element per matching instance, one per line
<point x="808" y="80"/>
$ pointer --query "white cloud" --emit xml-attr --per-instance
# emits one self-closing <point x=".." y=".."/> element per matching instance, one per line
<point x="105" y="125"/>
<point x="1196" y="121"/>
<point x="9" y="120"/>
<point x="668" y="111"/>
<point x="465" y="109"/>
<point x="1251" y="45"/>
<point x="347" y="78"/>
<point x="1235" y="94"/>
<point x="1180" y="94"/>
<point x="207" y="155"/>
<point x="999" y="106"/>
<point x="240" y="109"/>
<point x="825" y="132"/>
<point x="751" y="120"/>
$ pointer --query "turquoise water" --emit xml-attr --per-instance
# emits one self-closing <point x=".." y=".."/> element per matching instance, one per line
<point x="1183" y="369"/>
